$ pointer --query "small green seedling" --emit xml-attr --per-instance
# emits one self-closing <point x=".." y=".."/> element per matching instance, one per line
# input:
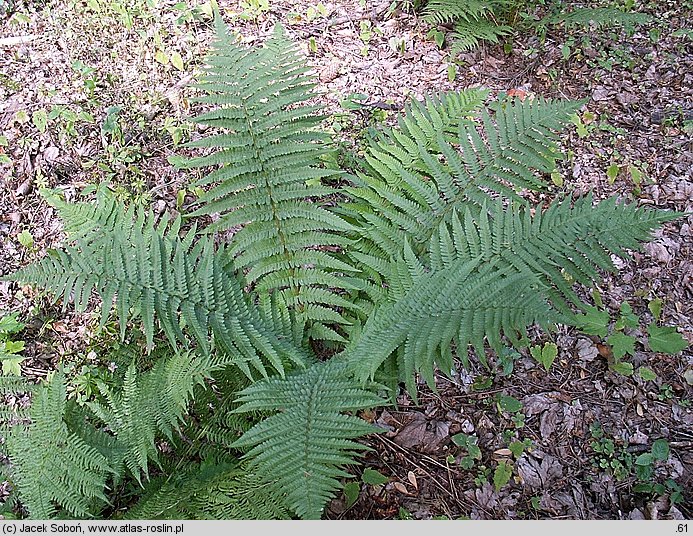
<point x="546" y="355"/>
<point x="351" y="493"/>
<point x="594" y="322"/>
<point x="512" y="406"/>
<point x="40" y="120"/>
<point x="502" y="474"/>
<point x="9" y="349"/>
<point x="469" y="443"/>
<point x="665" y="339"/>
<point x="655" y="307"/>
<point x="519" y="447"/>
<point x="26" y="239"/>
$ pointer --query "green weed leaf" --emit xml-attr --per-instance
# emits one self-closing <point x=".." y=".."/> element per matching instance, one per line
<point x="621" y="344"/>
<point x="40" y="120"/>
<point x="509" y="404"/>
<point x="647" y="374"/>
<point x="628" y="318"/>
<point x="644" y="459"/>
<point x="626" y="369"/>
<point x="665" y="339"/>
<point x="373" y="477"/>
<point x="351" y="493"/>
<point x="593" y="322"/>
<point x="660" y="450"/>
<point x="502" y="474"/>
<point x="655" y="307"/>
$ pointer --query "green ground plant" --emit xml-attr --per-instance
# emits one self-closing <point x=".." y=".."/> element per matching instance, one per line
<point x="474" y="22"/>
<point x="293" y="295"/>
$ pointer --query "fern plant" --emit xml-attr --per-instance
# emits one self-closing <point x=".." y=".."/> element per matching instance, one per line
<point x="282" y="315"/>
<point x="476" y="21"/>
<point x="473" y="21"/>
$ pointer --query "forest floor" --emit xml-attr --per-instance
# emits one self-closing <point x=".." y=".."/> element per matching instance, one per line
<point x="98" y="90"/>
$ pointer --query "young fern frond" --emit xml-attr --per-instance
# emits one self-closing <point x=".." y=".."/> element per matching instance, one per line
<point x="16" y="414"/>
<point x="444" y="11"/>
<point x="473" y="20"/>
<point x="600" y="16"/>
<point x="410" y="185"/>
<point x="150" y="404"/>
<point x="212" y="491"/>
<point x="303" y="446"/>
<point x="467" y="35"/>
<point x="439" y="113"/>
<point x="54" y="467"/>
<point x="147" y="271"/>
<point x="266" y="187"/>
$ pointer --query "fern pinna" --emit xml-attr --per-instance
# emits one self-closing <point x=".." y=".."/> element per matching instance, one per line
<point x="432" y="249"/>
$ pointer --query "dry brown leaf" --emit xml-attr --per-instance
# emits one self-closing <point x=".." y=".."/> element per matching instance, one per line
<point x="401" y="488"/>
<point x="538" y="473"/>
<point x="422" y="433"/>
<point x="549" y="421"/>
<point x="412" y="479"/>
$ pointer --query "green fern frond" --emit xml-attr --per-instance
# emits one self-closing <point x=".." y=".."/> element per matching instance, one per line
<point x="150" y="404"/>
<point x="13" y="411"/>
<point x="492" y="273"/>
<point x="146" y="271"/>
<point x="444" y="11"/>
<point x="561" y="244"/>
<point x="266" y="187"/>
<point x="304" y="444"/>
<point x="410" y="186"/>
<point x="468" y="34"/>
<point x="600" y="16"/>
<point x="53" y="467"/>
<point x="212" y="491"/>
<point x="462" y="302"/>
<point x="438" y="113"/>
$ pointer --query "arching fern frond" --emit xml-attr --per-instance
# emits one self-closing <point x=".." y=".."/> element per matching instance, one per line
<point x="489" y="273"/>
<point x="303" y="446"/>
<point x="443" y="11"/>
<point x="473" y="20"/>
<point x="266" y="187"/>
<point x="54" y="467"/>
<point x="467" y="35"/>
<point x="438" y="113"/>
<point x="600" y="16"/>
<point x="12" y="411"/>
<point x="462" y="302"/>
<point x="410" y="186"/>
<point x="149" y="405"/>
<point x="211" y="491"/>
<point x="148" y="272"/>
<point x="564" y="243"/>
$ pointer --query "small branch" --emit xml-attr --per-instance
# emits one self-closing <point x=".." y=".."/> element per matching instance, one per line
<point x="20" y="39"/>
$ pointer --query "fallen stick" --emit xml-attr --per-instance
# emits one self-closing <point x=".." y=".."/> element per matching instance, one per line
<point x="20" y="39"/>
